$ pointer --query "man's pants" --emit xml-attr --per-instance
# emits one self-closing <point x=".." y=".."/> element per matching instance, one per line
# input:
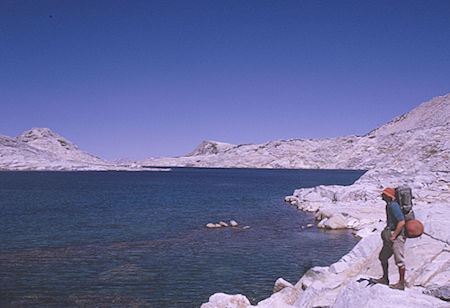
<point x="397" y="248"/>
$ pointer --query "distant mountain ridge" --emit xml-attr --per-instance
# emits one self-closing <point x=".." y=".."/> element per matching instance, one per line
<point x="417" y="139"/>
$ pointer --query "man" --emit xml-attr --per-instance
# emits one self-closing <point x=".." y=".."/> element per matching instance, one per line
<point x="393" y="240"/>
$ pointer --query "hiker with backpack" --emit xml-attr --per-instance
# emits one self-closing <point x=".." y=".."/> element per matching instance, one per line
<point x="394" y="239"/>
<point x="400" y="224"/>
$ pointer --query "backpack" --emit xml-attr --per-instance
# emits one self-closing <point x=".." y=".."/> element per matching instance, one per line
<point x="413" y="227"/>
<point x="403" y="196"/>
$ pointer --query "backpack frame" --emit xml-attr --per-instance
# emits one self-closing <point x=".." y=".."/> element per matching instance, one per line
<point x="403" y="196"/>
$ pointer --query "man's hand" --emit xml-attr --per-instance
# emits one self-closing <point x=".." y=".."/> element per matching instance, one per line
<point x="397" y="231"/>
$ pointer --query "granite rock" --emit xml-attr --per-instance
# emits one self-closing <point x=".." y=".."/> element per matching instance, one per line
<point x="414" y="150"/>
<point x="222" y="300"/>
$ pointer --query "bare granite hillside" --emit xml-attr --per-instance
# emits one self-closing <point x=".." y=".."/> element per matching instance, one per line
<point x="42" y="149"/>
<point x="417" y="139"/>
<point x="435" y="112"/>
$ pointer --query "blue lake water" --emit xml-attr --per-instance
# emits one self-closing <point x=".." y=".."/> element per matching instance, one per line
<point x="138" y="239"/>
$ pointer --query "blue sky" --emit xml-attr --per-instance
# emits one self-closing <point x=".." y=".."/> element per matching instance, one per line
<point x="155" y="78"/>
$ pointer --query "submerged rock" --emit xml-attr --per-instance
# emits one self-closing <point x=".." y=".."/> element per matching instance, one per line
<point x="124" y="272"/>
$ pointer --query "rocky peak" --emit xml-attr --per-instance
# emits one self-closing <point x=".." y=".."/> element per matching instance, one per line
<point x="210" y="148"/>
<point x="45" y="139"/>
<point x="435" y="112"/>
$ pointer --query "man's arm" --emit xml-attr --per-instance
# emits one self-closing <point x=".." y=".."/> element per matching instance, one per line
<point x="397" y="231"/>
<point x="397" y="212"/>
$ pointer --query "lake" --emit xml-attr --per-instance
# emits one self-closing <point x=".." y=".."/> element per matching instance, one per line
<point x="138" y="239"/>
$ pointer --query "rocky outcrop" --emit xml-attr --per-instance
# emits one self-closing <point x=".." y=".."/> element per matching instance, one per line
<point x="42" y="149"/>
<point x="427" y="258"/>
<point x="413" y="150"/>
<point x="210" y="147"/>
<point x="46" y="140"/>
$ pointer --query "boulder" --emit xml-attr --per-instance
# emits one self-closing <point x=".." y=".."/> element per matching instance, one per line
<point x="336" y="221"/>
<point x="322" y="223"/>
<point x="233" y="223"/>
<point x="222" y="300"/>
<point x="313" y="196"/>
<point x="280" y="284"/>
<point x="311" y="207"/>
<point x="282" y="299"/>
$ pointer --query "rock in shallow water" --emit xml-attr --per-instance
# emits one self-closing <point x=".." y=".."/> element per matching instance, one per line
<point x="336" y="221"/>
<point x="233" y="223"/>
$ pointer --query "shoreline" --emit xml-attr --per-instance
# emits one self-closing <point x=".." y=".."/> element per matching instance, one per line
<point x="118" y="169"/>
<point x="356" y="207"/>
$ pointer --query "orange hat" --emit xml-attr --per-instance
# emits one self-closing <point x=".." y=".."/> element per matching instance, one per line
<point x="390" y="192"/>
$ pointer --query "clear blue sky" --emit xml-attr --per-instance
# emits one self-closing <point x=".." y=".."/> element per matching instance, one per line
<point x="155" y="78"/>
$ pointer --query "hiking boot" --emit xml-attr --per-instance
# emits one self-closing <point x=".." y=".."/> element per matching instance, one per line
<point x="381" y="280"/>
<point x="398" y="286"/>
